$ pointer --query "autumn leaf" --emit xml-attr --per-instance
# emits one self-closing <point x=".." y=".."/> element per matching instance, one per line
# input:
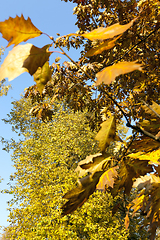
<point x="79" y="195"/>
<point x="130" y="169"/>
<point x="107" y="179"/>
<point x="146" y="180"/>
<point x="153" y="157"/>
<point x="36" y="58"/>
<point x="92" y="163"/>
<point x="148" y="200"/>
<point x="108" y="74"/>
<point x="42" y="76"/>
<point x="145" y="144"/>
<point x="106" y="133"/>
<point x="12" y="66"/>
<point x="154" y="108"/>
<point x="102" y="47"/>
<point x="109" y="32"/>
<point x="126" y="221"/>
<point x="16" y="30"/>
<point x="23" y="58"/>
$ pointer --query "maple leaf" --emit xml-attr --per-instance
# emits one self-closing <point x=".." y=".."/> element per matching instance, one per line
<point x="16" y="30"/>
<point x="36" y="58"/>
<point x="23" y="58"/>
<point x="108" y="74"/>
<point x="107" y="179"/>
<point x="109" y="32"/>
<point x="129" y="170"/>
<point x="12" y="66"/>
<point x="106" y="133"/>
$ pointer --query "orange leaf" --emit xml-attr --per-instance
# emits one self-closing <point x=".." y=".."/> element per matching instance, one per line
<point x="108" y="74"/>
<point x="109" y="32"/>
<point x="107" y="178"/>
<point x="102" y="47"/>
<point x="126" y="222"/>
<point x="16" y="30"/>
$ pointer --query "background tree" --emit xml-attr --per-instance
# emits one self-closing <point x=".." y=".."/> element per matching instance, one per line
<point x="45" y="159"/>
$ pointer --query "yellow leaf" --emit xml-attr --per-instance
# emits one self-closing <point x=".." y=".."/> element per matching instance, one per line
<point x="93" y="163"/>
<point x="154" y="106"/>
<point x="42" y="76"/>
<point x="106" y="133"/>
<point x="107" y="178"/>
<point x="12" y="66"/>
<point x="102" y="47"/>
<point x="16" y="30"/>
<point x="153" y="157"/>
<point x="79" y="195"/>
<point x="108" y="74"/>
<point x="109" y="32"/>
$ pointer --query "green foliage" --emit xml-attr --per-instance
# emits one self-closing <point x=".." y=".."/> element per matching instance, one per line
<point x="44" y="162"/>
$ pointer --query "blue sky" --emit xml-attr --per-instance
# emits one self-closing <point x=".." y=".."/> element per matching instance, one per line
<point x="51" y="17"/>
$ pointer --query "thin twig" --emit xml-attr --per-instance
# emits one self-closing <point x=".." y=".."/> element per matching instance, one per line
<point x="142" y="40"/>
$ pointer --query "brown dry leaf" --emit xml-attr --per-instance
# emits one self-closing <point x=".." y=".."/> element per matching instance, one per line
<point x="102" y="47"/>
<point x="145" y="144"/>
<point x="109" y="32"/>
<point x="36" y="58"/>
<point x="107" y="133"/>
<point x="107" y="179"/>
<point x="129" y="170"/>
<point x="79" y="195"/>
<point x="108" y="74"/>
<point x="12" y="66"/>
<point x="16" y="30"/>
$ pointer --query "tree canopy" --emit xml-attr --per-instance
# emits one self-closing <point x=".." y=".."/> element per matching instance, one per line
<point x="117" y="75"/>
<point x="45" y="159"/>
